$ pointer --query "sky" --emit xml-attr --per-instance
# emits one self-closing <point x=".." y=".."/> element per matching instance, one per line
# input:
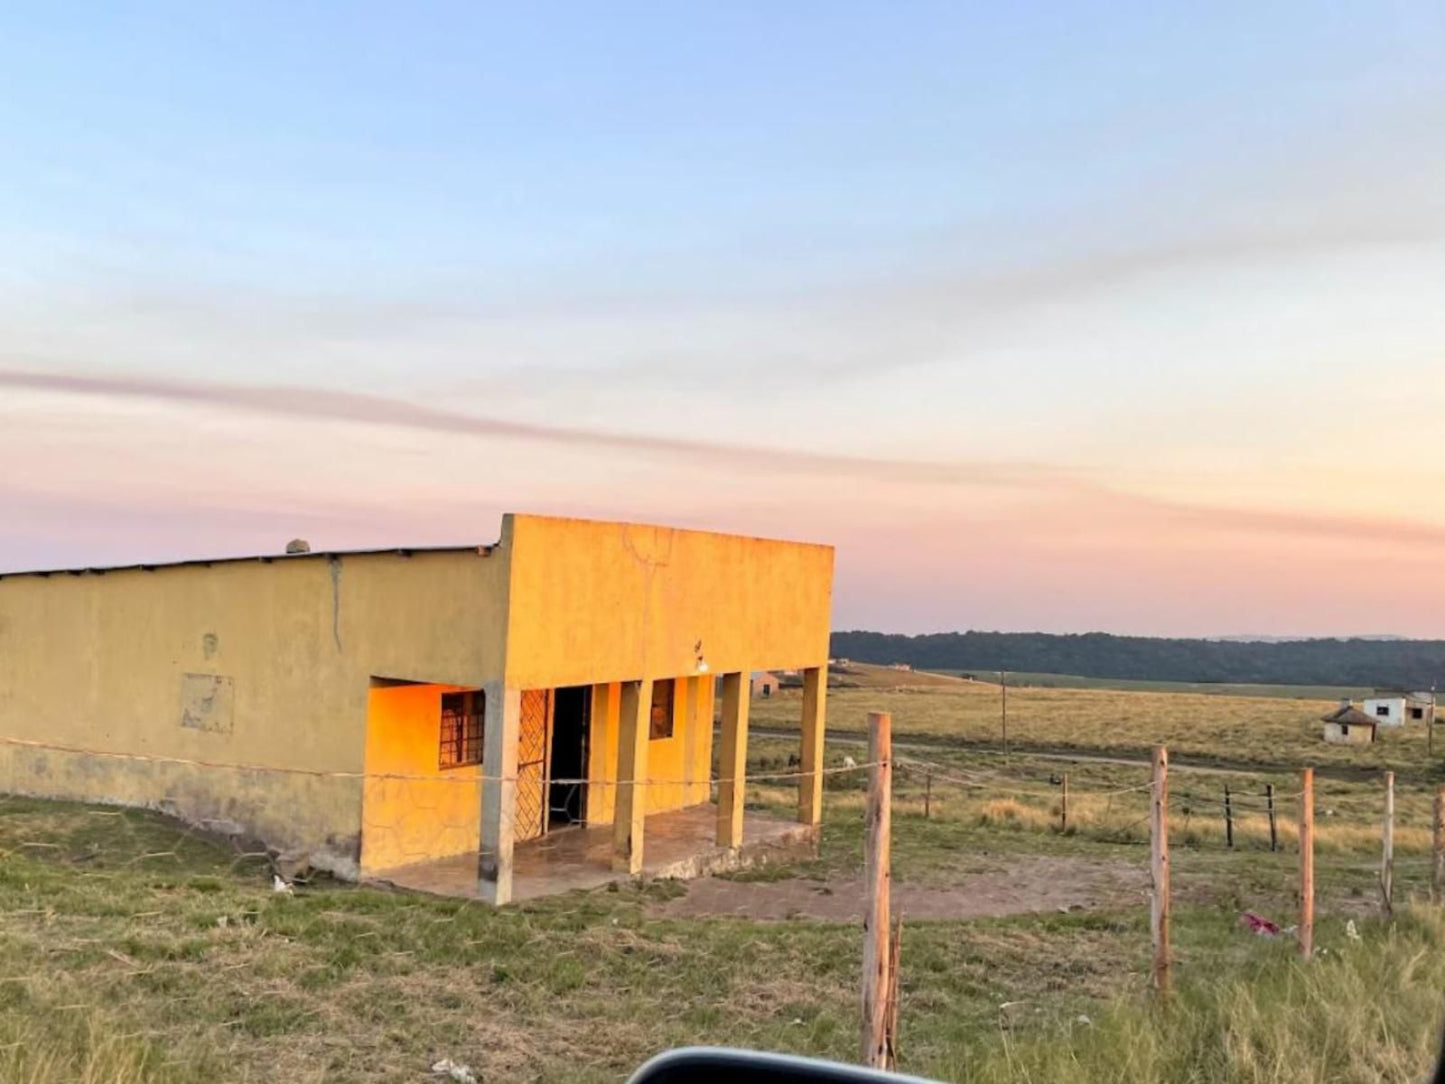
<point x="1063" y="317"/>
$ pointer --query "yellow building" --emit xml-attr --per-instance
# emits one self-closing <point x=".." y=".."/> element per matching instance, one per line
<point x="449" y="712"/>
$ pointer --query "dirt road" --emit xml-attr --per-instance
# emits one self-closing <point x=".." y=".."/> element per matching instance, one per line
<point x="1017" y="885"/>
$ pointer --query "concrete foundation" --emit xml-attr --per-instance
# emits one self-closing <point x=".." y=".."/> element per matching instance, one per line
<point x="680" y="845"/>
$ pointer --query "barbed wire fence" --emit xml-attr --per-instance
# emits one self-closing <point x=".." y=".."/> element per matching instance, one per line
<point x="435" y="816"/>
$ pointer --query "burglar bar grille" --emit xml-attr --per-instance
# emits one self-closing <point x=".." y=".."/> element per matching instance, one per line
<point x="531" y="764"/>
<point x="462" y="729"/>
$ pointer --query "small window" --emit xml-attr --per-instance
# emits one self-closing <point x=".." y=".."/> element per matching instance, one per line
<point x="1382" y="710"/>
<point x="1417" y="713"/>
<point x="1344" y="730"/>
<point x="461" y="738"/>
<point x="660" y="725"/>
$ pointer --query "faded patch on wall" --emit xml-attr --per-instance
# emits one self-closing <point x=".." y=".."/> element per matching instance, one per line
<point x="208" y="702"/>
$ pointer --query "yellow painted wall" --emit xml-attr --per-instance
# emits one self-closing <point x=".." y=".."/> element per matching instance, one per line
<point x="602" y="753"/>
<point x="678" y="768"/>
<point x="431" y="812"/>
<point x="102" y="662"/>
<point x="617" y="602"/>
<point x="273" y="662"/>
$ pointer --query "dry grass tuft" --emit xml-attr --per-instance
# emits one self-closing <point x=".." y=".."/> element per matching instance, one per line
<point x="1364" y="1012"/>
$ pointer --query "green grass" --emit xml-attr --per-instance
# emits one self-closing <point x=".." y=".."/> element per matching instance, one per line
<point x="131" y="950"/>
<point x="1247" y="731"/>
<point x="1109" y="820"/>
<point x="1366" y="1011"/>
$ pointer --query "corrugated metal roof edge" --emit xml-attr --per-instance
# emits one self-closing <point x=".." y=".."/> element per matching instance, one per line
<point x="263" y="558"/>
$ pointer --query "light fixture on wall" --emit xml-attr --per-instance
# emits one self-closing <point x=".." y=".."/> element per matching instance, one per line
<point x="701" y="662"/>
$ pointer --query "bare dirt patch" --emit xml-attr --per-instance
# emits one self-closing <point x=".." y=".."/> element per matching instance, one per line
<point x="1022" y="885"/>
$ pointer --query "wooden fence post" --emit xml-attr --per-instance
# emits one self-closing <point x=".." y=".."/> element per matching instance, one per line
<point x="877" y="855"/>
<point x="1387" y="850"/>
<point x="928" y="796"/>
<point x="1228" y="819"/>
<point x="1159" y="868"/>
<point x="1064" y="804"/>
<point x="890" y="1024"/>
<point x="1307" y="863"/>
<point x="1003" y="710"/>
<point x="1437" y="848"/>
<point x="1273" y="824"/>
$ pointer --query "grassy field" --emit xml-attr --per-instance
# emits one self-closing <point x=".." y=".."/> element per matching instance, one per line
<point x="131" y="951"/>
<point x="1354" y="1015"/>
<point x="1248" y="730"/>
<point x="1205" y="688"/>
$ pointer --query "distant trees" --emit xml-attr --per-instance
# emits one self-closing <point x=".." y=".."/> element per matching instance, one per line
<point x="1404" y="663"/>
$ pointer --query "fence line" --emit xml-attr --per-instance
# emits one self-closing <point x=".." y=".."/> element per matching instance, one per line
<point x="449" y="775"/>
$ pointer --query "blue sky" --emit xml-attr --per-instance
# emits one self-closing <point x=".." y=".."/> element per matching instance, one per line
<point x="1129" y="273"/>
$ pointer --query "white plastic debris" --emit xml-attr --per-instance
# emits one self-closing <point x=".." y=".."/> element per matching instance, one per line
<point x="280" y="885"/>
<point x="1351" y="932"/>
<point x="849" y="762"/>
<point x="1083" y="1019"/>
<point x="452" y="1070"/>
<point x="223" y="921"/>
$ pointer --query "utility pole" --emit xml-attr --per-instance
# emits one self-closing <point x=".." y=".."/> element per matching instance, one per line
<point x="1430" y="726"/>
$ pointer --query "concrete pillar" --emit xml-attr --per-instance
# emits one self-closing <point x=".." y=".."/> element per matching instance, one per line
<point x="732" y="763"/>
<point x="502" y="720"/>
<point x="630" y="815"/>
<point x="810" y="782"/>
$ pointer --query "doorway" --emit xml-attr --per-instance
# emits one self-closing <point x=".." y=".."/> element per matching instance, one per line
<point x="567" y="794"/>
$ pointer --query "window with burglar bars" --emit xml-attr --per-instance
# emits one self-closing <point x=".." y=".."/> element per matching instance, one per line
<point x="461" y="738"/>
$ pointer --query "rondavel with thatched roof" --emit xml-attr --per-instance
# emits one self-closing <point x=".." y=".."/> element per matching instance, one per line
<point x="1348" y="725"/>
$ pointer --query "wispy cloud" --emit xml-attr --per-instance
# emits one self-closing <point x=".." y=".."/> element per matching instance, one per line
<point x="1077" y="506"/>
<point x="355" y="407"/>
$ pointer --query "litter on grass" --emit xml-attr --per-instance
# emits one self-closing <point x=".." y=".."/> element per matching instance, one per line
<point x="1258" y="924"/>
<point x="452" y="1070"/>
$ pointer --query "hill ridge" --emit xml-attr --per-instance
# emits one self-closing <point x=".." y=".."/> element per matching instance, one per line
<point x="1358" y="661"/>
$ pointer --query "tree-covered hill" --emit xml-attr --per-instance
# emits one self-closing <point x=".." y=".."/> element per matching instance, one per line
<point x="1404" y="663"/>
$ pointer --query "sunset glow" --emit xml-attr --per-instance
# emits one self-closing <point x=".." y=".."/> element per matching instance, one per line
<point x="1057" y="341"/>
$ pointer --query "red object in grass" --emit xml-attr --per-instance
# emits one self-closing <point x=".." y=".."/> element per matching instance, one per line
<point x="1258" y="924"/>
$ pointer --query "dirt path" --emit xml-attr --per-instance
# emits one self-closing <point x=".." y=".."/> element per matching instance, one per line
<point x="1020" y="885"/>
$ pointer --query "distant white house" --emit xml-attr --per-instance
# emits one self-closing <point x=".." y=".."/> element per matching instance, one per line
<point x="1392" y="708"/>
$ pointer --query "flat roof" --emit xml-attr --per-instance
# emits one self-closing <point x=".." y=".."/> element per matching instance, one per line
<point x="480" y="549"/>
<point x="263" y="558"/>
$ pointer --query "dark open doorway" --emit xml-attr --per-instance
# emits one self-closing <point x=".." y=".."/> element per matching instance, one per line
<point x="566" y="796"/>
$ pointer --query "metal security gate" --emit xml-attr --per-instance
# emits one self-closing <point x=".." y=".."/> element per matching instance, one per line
<point x="533" y="739"/>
